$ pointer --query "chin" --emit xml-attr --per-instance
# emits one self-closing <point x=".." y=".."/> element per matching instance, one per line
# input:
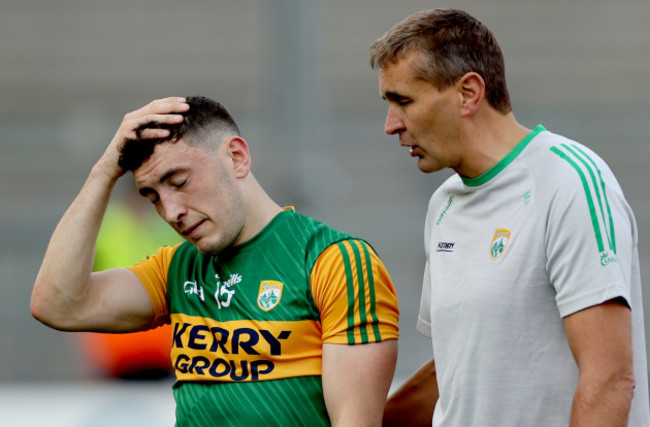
<point x="427" y="167"/>
<point x="210" y="248"/>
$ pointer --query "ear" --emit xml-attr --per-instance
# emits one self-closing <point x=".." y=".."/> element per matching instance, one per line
<point x="240" y="156"/>
<point x="472" y="90"/>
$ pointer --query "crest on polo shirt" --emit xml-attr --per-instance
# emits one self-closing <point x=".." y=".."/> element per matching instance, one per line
<point x="270" y="294"/>
<point x="499" y="243"/>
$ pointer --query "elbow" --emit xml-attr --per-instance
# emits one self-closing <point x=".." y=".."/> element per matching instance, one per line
<point x="621" y="400"/>
<point x="620" y="386"/>
<point x="622" y="382"/>
<point x="619" y="391"/>
<point x="39" y="308"/>
<point x="44" y="310"/>
<point x="37" y="304"/>
<point x="626" y="385"/>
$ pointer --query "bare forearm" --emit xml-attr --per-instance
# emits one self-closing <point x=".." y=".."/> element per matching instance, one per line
<point x="605" y="404"/>
<point x="356" y="380"/>
<point x="412" y="404"/>
<point x="65" y="272"/>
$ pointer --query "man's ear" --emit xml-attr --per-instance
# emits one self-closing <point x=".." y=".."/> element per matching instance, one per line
<point x="240" y="156"/>
<point x="472" y="90"/>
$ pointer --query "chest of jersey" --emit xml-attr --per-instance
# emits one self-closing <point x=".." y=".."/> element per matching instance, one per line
<point x="249" y="314"/>
<point x="251" y="286"/>
<point x="242" y="318"/>
<point x="486" y="254"/>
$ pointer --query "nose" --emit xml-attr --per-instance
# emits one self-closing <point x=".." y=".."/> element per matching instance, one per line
<point x="171" y="209"/>
<point x="393" y="123"/>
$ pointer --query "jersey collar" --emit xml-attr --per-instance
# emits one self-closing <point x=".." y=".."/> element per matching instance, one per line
<point x="503" y="163"/>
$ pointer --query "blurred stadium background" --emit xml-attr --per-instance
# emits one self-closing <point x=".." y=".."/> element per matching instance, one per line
<point x="295" y="75"/>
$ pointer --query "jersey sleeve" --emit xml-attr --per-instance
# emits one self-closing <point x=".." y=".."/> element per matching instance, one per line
<point x="152" y="273"/>
<point x="590" y="233"/>
<point x="354" y="295"/>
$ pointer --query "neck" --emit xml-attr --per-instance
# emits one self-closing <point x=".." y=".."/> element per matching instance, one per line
<point x="488" y="139"/>
<point x="259" y="207"/>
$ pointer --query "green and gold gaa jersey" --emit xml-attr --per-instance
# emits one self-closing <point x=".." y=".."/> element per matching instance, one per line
<point x="249" y="324"/>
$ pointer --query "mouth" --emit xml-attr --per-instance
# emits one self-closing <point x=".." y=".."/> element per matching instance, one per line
<point x="413" y="150"/>
<point x="188" y="232"/>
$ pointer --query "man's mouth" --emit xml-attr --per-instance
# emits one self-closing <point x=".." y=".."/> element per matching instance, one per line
<point x="190" y="230"/>
<point x="413" y="150"/>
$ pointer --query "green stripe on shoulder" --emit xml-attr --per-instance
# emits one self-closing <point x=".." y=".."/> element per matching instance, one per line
<point x="611" y="235"/>
<point x="350" y="283"/>
<point x="371" y="288"/>
<point x="362" y="294"/>
<point x="596" y="194"/>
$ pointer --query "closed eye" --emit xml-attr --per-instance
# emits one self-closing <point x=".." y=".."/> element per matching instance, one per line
<point x="150" y="195"/>
<point x="397" y="98"/>
<point x="178" y="185"/>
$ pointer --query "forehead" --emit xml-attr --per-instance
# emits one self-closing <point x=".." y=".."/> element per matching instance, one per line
<point x="168" y="157"/>
<point x="401" y="75"/>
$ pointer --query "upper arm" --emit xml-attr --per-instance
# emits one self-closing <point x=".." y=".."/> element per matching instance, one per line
<point x="354" y="295"/>
<point x="600" y="339"/>
<point x="131" y="299"/>
<point x="359" y="314"/>
<point x="117" y="302"/>
<point x="356" y="380"/>
<point x="113" y="300"/>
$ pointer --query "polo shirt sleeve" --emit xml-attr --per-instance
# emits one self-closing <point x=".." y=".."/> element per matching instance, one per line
<point x="152" y="273"/>
<point x="589" y="234"/>
<point x="354" y="295"/>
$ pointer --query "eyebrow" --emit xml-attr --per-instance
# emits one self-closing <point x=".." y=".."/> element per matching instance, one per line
<point x="393" y="96"/>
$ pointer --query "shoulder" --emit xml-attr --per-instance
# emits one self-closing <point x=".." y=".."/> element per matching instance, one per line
<point x="320" y="238"/>
<point x="315" y="233"/>
<point x="563" y="158"/>
<point x="184" y="250"/>
<point x="184" y="256"/>
<point x="560" y="165"/>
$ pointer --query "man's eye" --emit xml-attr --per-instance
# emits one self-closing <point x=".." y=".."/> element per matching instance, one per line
<point x="179" y="184"/>
<point x="403" y="102"/>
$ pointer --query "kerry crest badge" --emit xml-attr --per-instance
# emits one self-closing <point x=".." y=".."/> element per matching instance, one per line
<point x="269" y="295"/>
<point x="499" y="243"/>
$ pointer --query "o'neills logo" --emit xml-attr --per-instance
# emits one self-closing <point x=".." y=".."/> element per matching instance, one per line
<point x="499" y="243"/>
<point x="269" y="295"/>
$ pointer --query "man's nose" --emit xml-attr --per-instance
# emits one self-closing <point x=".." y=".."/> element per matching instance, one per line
<point x="393" y="123"/>
<point x="173" y="210"/>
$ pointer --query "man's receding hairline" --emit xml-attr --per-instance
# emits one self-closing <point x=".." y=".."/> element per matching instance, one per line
<point x="419" y="64"/>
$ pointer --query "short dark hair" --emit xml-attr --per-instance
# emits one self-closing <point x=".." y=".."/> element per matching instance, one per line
<point x="453" y="43"/>
<point x="204" y="118"/>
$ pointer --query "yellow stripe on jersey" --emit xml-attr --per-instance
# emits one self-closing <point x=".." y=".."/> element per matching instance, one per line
<point x="369" y="313"/>
<point x="152" y="272"/>
<point x="244" y="350"/>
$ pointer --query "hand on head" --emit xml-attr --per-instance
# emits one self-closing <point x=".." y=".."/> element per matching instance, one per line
<point x="158" y="113"/>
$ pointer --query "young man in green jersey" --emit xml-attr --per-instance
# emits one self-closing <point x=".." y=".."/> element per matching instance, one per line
<point x="531" y="293"/>
<point x="277" y="319"/>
